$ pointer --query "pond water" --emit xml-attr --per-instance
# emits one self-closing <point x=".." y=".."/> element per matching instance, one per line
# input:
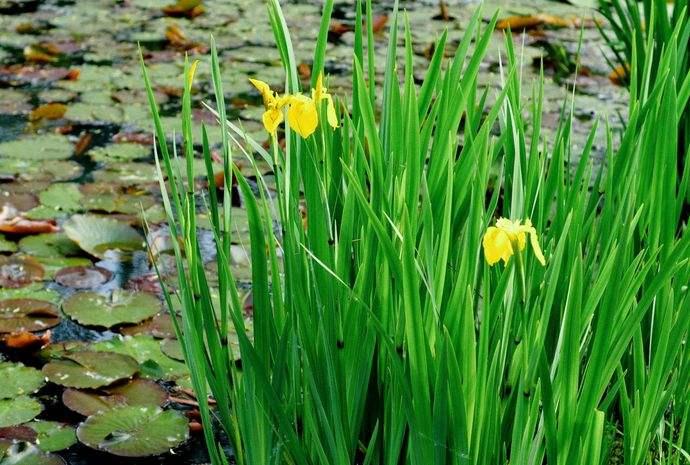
<point x="76" y="172"/>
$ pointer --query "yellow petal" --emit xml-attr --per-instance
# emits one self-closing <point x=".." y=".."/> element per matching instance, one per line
<point x="265" y="91"/>
<point x="189" y="79"/>
<point x="497" y="246"/>
<point x="318" y="92"/>
<point x="537" y="249"/>
<point x="272" y="119"/>
<point x="330" y="112"/>
<point x="302" y="116"/>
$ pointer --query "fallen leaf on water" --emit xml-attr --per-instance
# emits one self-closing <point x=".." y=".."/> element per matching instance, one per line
<point x="443" y="14"/>
<point x="379" y="23"/>
<point x="12" y="222"/>
<point x="83" y="143"/>
<point x="188" y="8"/>
<point x="25" y="340"/>
<point x="41" y="53"/>
<point x="304" y="71"/>
<point x="48" y="111"/>
<point x="521" y="23"/>
<point x="177" y="38"/>
<point x="619" y="75"/>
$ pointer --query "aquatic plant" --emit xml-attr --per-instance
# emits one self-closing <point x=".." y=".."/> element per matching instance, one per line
<point x="381" y="334"/>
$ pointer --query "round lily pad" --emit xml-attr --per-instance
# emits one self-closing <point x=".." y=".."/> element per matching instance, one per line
<point x="38" y="147"/>
<point x="18" y="380"/>
<point x="129" y="173"/>
<point x="27" y="315"/>
<point x="18" y="271"/>
<point x="96" y="235"/>
<point x="134" y="431"/>
<point x="49" y="245"/>
<point x="28" y="454"/>
<point x="119" y="152"/>
<point x="81" y="277"/>
<point x="6" y="245"/>
<point x="31" y="170"/>
<point x="138" y="392"/>
<point x="34" y="291"/>
<point x="160" y="326"/>
<point x="147" y="350"/>
<point x="53" y="436"/>
<point x="18" y="410"/>
<point x="64" y="196"/>
<point x="173" y="349"/>
<point x="90" y="369"/>
<point x="93" y="309"/>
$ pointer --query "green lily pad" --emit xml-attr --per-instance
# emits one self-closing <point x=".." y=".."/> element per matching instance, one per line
<point x="93" y="309"/>
<point x="54" y="264"/>
<point x="19" y="380"/>
<point x="64" y="196"/>
<point x="16" y="271"/>
<point x="90" y="369"/>
<point x="27" y="315"/>
<point x="35" y="291"/>
<point x="53" y="436"/>
<point x="38" y="147"/>
<point x="147" y="351"/>
<point x="18" y="410"/>
<point x="129" y="174"/>
<point x="138" y="392"/>
<point x="173" y="349"/>
<point x="134" y="431"/>
<point x="160" y="326"/>
<point x="96" y="235"/>
<point x="27" y="454"/>
<point x="120" y="152"/>
<point x="49" y="245"/>
<point x="30" y="170"/>
<point x="7" y="246"/>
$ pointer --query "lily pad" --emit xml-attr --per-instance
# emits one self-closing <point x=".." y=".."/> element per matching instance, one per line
<point x="130" y="173"/>
<point x="18" y="271"/>
<point x="27" y="454"/>
<point x="147" y="351"/>
<point x="27" y="315"/>
<point x="35" y="291"/>
<point x="173" y="349"/>
<point x="7" y="246"/>
<point x="138" y="392"/>
<point x="49" y="245"/>
<point x="96" y="235"/>
<point x="18" y="410"/>
<point x="81" y="277"/>
<point x="64" y="196"/>
<point x="53" y="436"/>
<point x="134" y="431"/>
<point x="94" y="309"/>
<point x="29" y="170"/>
<point x="19" y="380"/>
<point x="90" y="369"/>
<point x="38" y="147"/>
<point x="160" y="326"/>
<point x="120" y="152"/>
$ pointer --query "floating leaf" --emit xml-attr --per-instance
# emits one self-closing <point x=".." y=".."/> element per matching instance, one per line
<point x="160" y="326"/>
<point x="48" y="111"/>
<point x="32" y="170"/>
<point x="64" y="196"/>
<point x="7" y="246"/>
<point x="138" y="392"/>
<point x="129" y="174"/>
<point x="53" y="436"/>
<point x="147" y="351"/>
<point x="23" y="454"/>
<point x="35" y="291"/>
<point x="94" y="309"/>
<point x="18" y="271"/>
<point x="96" y="235"/>
<point x="25" y="340"/>
<point x="81" y="277"/>
<point x="14" y="222"/>
<point x="49" y="245"/>
<point x="134" y="431"/>
<point x="40" y="147"/>
<point x="18" y="410"/>
<point x="119" y="152"/>
<point x="90" y="369"/>
<point x="173" y="349"/>
<point x="19" y="380"/>
<point x="27" y="315"/>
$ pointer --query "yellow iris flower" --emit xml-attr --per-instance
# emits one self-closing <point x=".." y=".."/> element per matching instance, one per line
<point x="273" y="115"/>
<point x="508" y="237"/>
<point x="302" y="115"/>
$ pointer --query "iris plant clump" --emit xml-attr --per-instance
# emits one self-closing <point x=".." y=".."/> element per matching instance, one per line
<point x="381" y="332"/>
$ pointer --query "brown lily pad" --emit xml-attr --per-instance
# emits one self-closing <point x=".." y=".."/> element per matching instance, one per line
<point x="17" y="315"/>
<point x="82" y="277"/>
<point x="19" y="271"/>
<point x="138" y="392"/>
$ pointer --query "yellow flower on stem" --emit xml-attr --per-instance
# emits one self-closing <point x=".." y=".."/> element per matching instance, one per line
<point x="509" y="237"/>
<point x="320" y="93"/>
<point x="302" y="115"/>
<point x="273" y="115"/>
